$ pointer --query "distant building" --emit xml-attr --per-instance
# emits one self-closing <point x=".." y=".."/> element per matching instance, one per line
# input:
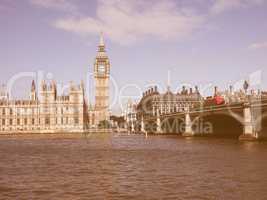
<point x="232" y="96"/>
<point x="130" y="116"/>
<point x="153" y="103"/>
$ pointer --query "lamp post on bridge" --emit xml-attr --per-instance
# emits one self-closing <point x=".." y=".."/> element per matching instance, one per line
<point x="246" y="86"/>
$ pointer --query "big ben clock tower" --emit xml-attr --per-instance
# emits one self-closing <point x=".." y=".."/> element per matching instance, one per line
<point x="101" y="75"/>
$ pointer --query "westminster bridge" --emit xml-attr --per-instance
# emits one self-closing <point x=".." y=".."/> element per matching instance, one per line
<point x="245" y="120"/>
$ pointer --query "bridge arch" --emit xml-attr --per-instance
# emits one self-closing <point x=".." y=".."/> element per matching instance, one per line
<point x="262" y="122"/>
<point x="150" y="126"/>
<point x="173" y="125"/>
<point x="217" y="124"/>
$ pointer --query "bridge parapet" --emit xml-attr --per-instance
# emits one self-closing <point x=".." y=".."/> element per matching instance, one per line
<point x="246" y="113"/>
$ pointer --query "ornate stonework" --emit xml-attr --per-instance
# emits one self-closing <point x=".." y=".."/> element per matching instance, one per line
<point x="48" y="112"/>
<point x="101" y="75"/>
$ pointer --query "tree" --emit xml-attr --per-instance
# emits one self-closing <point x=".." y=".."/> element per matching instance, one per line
<point x="104" y="124"/>
<point x="120" y="120"/>
<point x="246" y="86"/>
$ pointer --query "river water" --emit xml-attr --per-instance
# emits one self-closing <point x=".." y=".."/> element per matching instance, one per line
<point x="111" y="166"/>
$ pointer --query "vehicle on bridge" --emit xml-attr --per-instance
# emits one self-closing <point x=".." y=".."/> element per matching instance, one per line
<point x="213" y="101"/>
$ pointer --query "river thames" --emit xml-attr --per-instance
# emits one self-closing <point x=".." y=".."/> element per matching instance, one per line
<point x="103" y="166"/>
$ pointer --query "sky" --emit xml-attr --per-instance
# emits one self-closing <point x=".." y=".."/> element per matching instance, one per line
<point x="170" y="42"/>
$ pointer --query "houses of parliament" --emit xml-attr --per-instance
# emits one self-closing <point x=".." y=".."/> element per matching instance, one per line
<point x="47" y="112"/>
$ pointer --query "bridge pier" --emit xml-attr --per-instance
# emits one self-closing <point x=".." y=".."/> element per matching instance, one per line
<point x="159" y="130"/>
<point x="249" y="127"/>
<point x="142" y="125"/>
<point x="132" y="128"/>
<point x="188" y="126"/>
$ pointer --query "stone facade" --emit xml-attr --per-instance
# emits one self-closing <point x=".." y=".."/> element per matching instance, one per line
<point x="100" y="112"/>
<point x="153" y="103"/>
<point x="130" y="116"/>
<point x="47" y="112"/>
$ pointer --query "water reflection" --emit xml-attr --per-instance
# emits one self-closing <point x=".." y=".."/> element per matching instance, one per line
<point x="130" y="167"/>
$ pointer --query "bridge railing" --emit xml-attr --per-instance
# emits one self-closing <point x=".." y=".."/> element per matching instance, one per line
<point x="201" y="107"/>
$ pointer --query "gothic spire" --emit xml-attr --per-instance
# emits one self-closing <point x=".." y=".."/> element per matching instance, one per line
<point x="101" y="43"/>
<point x="33" y="88"/>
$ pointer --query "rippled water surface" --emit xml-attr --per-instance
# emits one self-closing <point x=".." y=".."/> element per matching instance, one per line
<point x="131" y="167"/>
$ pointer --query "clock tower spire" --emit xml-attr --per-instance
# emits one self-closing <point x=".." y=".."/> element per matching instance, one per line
<point x="101" y="75"/>
<point x="101" y="42"/>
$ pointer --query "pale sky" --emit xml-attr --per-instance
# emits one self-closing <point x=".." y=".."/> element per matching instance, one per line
<point x="216" y="42"/>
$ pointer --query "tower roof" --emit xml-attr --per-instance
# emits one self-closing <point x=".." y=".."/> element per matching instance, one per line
<point x="33" y="88"/>
<point x="101" y="47"/>
<point x="101" y="41"/>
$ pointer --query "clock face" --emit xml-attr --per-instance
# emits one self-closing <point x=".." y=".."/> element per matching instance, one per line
<point x="101" y="69"/>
